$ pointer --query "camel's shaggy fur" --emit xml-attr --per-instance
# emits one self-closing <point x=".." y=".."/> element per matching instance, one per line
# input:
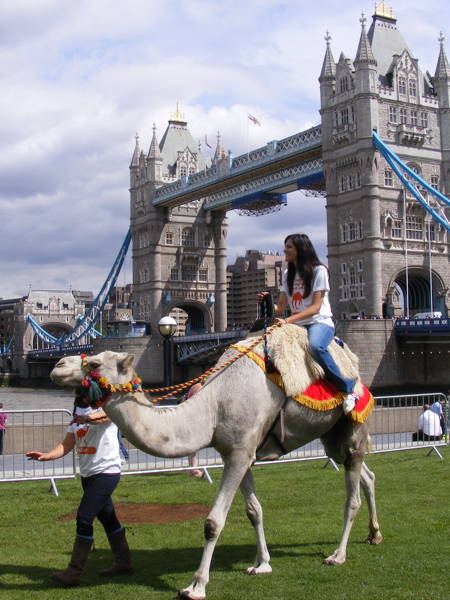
<point x="290" y="353"/>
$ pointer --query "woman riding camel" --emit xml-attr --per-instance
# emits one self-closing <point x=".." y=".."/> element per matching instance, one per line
<point x="304" y="290"/>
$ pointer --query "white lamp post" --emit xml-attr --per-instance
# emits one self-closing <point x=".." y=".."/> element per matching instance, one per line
<point x="167" y="327"/>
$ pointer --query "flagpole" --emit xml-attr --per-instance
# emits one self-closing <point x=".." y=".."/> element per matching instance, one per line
<point x="248" y="154"/>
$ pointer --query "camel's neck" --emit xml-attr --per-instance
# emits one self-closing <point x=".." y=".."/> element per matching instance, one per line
<point x="167" y="432"/>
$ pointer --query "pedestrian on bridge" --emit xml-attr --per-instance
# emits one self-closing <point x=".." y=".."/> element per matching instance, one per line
<point x="95" y="438"/>
<point x="304" y="290"/>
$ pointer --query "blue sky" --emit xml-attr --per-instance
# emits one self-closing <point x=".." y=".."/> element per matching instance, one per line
<point x="79" y="79"/>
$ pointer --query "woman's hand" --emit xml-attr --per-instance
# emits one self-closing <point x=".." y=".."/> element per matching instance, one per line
<point x="37" y="456"/>
<point x="260" y="296"/>
<point x="80" y="419"/>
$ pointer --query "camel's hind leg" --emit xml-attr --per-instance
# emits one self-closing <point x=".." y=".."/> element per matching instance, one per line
<point x="352" y="504"/>
<point x="235" y="466"/>
<point x="255" y="514"/>
<point x="368" y="486"/>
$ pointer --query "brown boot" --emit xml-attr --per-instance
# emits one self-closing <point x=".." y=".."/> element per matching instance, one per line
<point x="121" y="552"/>
<point x="70" y="577"/>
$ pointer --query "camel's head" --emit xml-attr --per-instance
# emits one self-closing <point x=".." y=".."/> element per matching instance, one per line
<point x="76" y="371"/>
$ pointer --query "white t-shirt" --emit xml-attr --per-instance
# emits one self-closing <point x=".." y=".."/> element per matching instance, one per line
<point x="297" y="302"/>
<point x="429" y="423"/>
<point x="97" y="445"/>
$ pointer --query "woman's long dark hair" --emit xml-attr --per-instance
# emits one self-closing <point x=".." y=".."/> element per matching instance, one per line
<point x="307" y="259"/>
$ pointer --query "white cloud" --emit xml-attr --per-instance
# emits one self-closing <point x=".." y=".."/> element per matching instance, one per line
<point x="79" y="79"/>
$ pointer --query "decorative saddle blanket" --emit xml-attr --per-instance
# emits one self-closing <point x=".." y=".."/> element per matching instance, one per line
<point x="301" y="378"/>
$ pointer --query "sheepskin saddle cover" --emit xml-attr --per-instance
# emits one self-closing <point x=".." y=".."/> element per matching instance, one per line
<point x="290" y="353"/>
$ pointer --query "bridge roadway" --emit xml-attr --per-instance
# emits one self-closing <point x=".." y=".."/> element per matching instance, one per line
<point x="279" y="167"/>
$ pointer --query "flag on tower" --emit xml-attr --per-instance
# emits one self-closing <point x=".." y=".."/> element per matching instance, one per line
<point x="254" y="120"/>
<point x="206" y="142"/>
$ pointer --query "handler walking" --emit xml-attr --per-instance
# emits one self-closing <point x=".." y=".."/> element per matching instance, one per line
<point x="97" y="446"/>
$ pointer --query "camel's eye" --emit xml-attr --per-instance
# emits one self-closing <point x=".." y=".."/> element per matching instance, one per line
<point x="94" y="364"/>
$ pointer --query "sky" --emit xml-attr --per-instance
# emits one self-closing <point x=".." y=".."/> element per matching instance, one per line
<point x="79" y="79"/>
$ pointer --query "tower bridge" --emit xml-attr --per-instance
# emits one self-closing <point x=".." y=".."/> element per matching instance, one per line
<point x="388" y="255"/>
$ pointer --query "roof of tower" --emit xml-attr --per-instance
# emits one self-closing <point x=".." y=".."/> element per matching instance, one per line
<point x="387" y="42"/>
<point x="328" y="66"/>
<point x="136" y="153"/>
<point x="177" y="138"/>
<point x="364" y="53"/>
<point x="443" y="66"/>
<point x="154" y="151"/>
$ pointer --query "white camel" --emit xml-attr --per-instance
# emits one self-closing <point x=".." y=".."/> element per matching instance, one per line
<point x="234" y="412"/>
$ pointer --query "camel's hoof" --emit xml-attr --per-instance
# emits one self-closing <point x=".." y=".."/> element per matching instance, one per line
<point x="189" y="595"/>
<point x="263" y="569"/>
<point x="374" y="538"/>
<point x="334" y="560"/>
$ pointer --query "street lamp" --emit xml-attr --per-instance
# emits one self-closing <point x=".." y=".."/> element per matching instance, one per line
<point x="167" y="327"/>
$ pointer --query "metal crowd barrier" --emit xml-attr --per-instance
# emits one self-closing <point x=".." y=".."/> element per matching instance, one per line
<point x="392" y="424"/>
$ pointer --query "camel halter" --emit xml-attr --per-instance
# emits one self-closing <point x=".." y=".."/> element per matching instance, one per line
<point x="98" y="389"/>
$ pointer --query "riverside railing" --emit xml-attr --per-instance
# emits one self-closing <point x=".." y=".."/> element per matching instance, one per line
<point x="392" y="425"/>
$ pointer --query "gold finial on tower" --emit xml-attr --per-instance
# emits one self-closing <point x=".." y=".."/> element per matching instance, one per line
<point x="382" y="10"/>
<point x="177" y="116"/>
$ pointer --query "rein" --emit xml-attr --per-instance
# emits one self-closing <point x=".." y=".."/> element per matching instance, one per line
<point x="98" y="389"/>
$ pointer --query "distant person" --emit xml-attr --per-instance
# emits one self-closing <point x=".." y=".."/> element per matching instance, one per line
<point x="436" y="407"/>
<point x="3" y="419"/>
<point x="429" y="426"/>
<point x="192" y="458"/>
<point x="95" y="438"/>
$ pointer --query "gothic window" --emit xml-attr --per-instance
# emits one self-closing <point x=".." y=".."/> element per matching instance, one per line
<point x="335" y="119"/>
<point x="344" y="116"/>
<point x="343" y="268"/>
<point x="412" y="88"/>
<point x="353" y="114"/>
<point x="343" y="84"/>
<point x="191" y="170"/>
<point x="435" y="182"/>
<point x="393" y="114"/>
<point x="358" y="179"/>
<point x="169" y="238"/>
<point x="183" y="171"/>
<point x="203" y="275"/>
<point x="174" y="274"/>
<point x="351" y="181"/>
<point x="430" y="232"/>
<point x="402" y="86"/>
<point x="414" y="227"/>
<point x="388" y="178"/>
<point x="188" y="237"/>
<point x="423" y="119"/>
<point x="396" y="228"/>
<point x="206" y="240"/>
<point x="403" y="115"/>
<point x="188" y="273"/>
<point x="344" y="232"/>
<point x="414" y="117"/>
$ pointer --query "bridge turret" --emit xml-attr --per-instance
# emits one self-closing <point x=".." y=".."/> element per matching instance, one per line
<point x="441" y="83"/>
<point x="134" y="165"/>
<point x="366" y="85"/>
<point x="154" y="161"/>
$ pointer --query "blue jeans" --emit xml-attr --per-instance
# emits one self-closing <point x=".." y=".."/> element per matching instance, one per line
<point x="320" y="336"/>
<point x="96" y="502"/>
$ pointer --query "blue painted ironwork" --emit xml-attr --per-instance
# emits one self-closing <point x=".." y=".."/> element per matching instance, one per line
<point x="190" y="347"/>
<point x="268" y="167"/>
<point x="85" y="326"/>
<point x="6" y="349"/>
<point x="59" y="351"/>
<point x="405" y="173"/>
<point x="422" y="327"/>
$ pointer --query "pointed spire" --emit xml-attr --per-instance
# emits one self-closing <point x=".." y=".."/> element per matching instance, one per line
<point x="216" y="156"/>
<point x="364" y="53"/>
<point x="154" y="151"/>
<point x="136" y="153"/>
<point x="329" y="66"/>
<point x="443" y="66"/>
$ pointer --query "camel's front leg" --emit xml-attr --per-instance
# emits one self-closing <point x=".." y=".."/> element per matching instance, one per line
<point x="255" y="514"/>
<point x="235" y="467"/>
<point x="368" y="486"/>
<point x="352" y="504"/>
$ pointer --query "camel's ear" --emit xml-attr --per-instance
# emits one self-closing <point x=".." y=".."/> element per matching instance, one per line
<point x="125" y="362"/>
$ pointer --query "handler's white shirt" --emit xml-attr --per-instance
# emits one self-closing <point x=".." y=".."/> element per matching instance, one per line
<point x="429" y="423"/>
<point x="97" y="446"/>
<point x="297" y="302"/>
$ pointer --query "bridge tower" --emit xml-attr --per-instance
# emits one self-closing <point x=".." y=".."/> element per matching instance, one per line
<point x="179" y="253"/>
<point x="385" y="255"/>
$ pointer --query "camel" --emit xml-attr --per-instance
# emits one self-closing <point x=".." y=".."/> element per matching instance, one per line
<point x="234" y="412"/>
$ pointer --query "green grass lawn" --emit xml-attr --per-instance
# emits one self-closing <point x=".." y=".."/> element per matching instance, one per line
<point x="303" y="507"/>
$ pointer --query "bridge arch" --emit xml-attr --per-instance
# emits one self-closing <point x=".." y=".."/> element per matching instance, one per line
<point x="192" y="317"/>
<point x="412" y="286"/>
<point x="55" y="329"/>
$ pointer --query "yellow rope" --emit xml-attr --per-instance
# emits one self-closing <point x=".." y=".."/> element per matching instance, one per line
<point x="125" y="387"/>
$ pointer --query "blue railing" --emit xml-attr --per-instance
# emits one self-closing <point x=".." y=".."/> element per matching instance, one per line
<point x="404" y="327"/>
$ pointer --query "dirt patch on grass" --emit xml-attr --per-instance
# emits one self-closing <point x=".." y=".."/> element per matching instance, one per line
<point x="154" y="513"/>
